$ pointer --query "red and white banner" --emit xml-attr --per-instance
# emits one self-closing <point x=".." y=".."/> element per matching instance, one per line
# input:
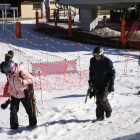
<point x="54" y="68"/>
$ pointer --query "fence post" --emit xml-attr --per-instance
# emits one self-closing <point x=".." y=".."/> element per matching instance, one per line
<point x="70" y="29"/>
<point x="47" y="48"/>
<point x="123" y="31"/>
<point x="18" y="30"/>
<point x="104" y="21"/>
<point x="37" y="23"/>
<point x="79" y="63"/>
<point x="56" y="26"/>
<point x="40" y="87"/>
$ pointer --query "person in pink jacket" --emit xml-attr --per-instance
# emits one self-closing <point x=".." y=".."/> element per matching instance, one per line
<point x="19" y="79"/>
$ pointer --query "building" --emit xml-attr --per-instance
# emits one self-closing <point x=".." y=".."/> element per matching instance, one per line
<point x="27" y="9"/>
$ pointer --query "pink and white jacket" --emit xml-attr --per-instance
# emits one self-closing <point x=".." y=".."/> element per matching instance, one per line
<point x="16" y="88"/>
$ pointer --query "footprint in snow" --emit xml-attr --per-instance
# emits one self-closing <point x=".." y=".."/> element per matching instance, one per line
<point x="56" y="109"/>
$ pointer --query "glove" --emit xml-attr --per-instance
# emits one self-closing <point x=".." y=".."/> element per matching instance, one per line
<point x="4" y="105"/>
<point x="91" y="95"/>
<point x="92" y="91"/>
<point x="111" y="87"/>
<point x="91" y="81"/>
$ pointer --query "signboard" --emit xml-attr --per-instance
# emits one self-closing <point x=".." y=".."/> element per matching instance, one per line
<point x="5" y="6"/>
<point x="54" y="68"/>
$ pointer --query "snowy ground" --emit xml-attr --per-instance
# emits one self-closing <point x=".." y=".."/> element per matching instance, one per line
<point x="64" y="115"/>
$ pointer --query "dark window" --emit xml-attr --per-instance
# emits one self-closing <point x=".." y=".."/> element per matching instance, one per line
<point x="60" y="5"/>
<point x="63" y="6"/>
<point x="66" y="6"/>
<point x="114" y="11"/>
<point x="36" y="6"/>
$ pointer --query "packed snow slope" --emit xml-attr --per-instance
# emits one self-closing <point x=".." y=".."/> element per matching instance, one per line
<point x="63" y="113"/>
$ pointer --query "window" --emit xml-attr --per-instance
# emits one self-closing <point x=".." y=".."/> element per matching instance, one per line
<point x="114" y="11"/>
<point x="66" y="6"/>
<point x="118" y="10"/>
<point x="60" y="5"/>
<point x="36" y="6"/>
<point x="63" y="6"/>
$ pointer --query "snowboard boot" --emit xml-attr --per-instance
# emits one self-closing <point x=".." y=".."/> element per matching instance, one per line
<point x="32" y="124"/>
<point x="100" y="119"/>
<point x="108" y="114"/>
<point x="13" y="118"/>
<point x="32" y="120"/>
<point x="14" y="127"/>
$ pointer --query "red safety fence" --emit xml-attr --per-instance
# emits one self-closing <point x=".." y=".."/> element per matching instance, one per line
<point x="54" y="68"/>
<point x="61" y="81"/>
<point x="57" y="81"/>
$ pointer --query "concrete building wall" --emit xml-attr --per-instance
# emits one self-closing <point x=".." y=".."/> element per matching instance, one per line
<point x="27" y="10"/>
<point x="89" y="19"/>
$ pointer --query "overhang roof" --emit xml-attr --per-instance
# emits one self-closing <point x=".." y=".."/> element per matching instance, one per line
<point x="101" y="4"/>
<point x="26" y="0"/>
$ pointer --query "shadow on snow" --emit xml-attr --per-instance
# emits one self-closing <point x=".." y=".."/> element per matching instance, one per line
<point x="70" y="96"/>
<point x="135" y="136"/>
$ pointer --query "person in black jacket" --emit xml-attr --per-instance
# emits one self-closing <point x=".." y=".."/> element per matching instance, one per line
<point x="102" y="74"/>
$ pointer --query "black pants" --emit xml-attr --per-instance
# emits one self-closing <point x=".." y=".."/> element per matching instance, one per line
<point x="15" y="108"/>
<point x="102" y="102"/>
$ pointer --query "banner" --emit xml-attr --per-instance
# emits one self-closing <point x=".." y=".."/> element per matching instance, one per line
<point x="54" y="68"/>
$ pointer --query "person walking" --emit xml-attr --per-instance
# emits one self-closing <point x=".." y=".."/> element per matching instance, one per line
<point x="102" y="75"/>
<point x="19" y="79"/>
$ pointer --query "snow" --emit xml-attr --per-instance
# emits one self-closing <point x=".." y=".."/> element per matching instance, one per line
<point x="64" y="115"/>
